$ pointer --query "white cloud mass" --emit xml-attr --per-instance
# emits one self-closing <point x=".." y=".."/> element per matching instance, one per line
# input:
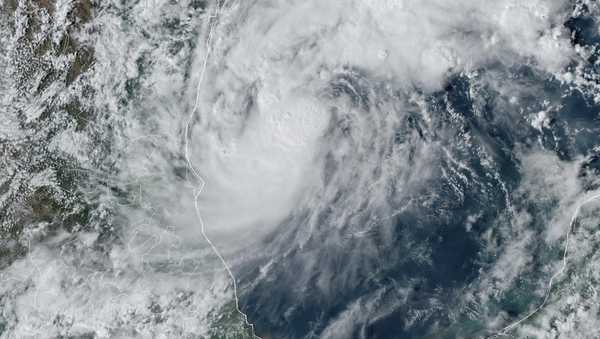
<point x="314" y="125"/>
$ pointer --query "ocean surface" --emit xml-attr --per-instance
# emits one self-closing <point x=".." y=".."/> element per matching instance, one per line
<point x="299" y="169"/>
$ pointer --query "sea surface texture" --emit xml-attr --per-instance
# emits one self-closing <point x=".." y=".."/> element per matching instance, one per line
<point x="300" y="169"/>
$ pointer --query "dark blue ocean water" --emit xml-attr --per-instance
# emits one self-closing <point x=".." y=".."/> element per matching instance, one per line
<point x="383" y="276"/>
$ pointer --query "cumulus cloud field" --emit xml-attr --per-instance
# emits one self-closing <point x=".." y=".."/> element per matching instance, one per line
<point x="299" y="169"/>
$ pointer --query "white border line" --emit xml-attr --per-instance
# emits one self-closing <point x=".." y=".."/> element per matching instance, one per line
<point x="196" y="173"/>
<point x="505" y="330"/>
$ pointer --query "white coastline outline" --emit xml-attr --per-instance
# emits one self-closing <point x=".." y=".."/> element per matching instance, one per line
<point x="505" y="331"/>
<point x="198" y="190"/>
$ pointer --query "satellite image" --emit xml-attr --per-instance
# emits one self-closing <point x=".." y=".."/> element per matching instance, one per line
<point x="300" y="169"/>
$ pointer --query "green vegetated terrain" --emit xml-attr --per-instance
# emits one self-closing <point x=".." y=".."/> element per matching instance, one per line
<point x="46" y="92"/>
<point x="49" y="186"/>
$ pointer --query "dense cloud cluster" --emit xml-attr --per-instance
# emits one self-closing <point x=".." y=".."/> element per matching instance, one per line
<point x="364" y="169"/>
